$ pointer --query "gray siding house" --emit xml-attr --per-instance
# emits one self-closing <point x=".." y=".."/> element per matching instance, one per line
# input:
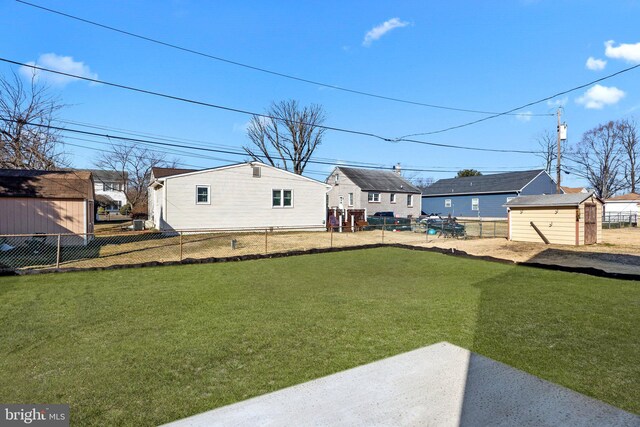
<point x="374" y="191"/>
<point x="485" y="195"/>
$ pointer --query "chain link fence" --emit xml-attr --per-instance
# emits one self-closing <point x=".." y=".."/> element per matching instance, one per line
<point x="619" y="220"/>
<point x="21" y="253"/>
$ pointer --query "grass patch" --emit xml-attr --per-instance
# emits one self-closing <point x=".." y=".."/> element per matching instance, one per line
<point x="147" y="346"/>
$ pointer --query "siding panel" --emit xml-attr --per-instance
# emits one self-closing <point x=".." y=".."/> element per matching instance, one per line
<point x="240" y="200"/>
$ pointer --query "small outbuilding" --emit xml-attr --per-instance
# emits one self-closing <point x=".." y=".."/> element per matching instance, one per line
<point x="563" y="219"/>
<point x="46" y="202"/>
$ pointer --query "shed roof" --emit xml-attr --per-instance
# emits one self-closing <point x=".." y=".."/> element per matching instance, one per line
<point x="495" y="183"/>
<point x="66" y="184"/>
<point x="551" y="200"/>
<point x="630" y="197"/>
<point x="379" y="180"/>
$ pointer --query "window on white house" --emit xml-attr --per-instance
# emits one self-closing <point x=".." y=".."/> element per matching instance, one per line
<point x="374" y="197"/>
<point x="350" y="199"/>
<point x="282" y="198"/>
<point x="475" y="204"/>
<point x="337" y="179"/>
<point x="202" y="195"/>
<point x="256" y="172"/>
<point x="392" y="198"/>
<point x="447" y="203"/>
<point x="409" y="200"/>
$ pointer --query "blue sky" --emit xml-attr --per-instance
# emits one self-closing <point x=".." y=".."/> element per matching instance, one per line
<point x="490" y="56"/>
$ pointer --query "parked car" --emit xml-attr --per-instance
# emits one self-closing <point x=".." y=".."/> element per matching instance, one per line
<point x="392" y="223"/>
<point x="387" y="214"/>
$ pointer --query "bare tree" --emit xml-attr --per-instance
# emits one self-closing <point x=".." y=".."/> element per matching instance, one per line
<point x="548" y="143"/>
<point x="289" y="134"/>
<point x="421" y="182"/>
<point x="599" y="155"/>
<point x="133" y="164"/>
<point x="627" y="133"/>
<point x="26" y="112"/>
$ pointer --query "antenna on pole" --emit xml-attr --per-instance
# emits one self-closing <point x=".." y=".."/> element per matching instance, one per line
<point x="562" y="136"/>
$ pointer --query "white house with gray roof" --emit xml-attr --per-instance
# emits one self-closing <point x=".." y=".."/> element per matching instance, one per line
<point x="373" y="191"/>
<point x="244" y="195"/>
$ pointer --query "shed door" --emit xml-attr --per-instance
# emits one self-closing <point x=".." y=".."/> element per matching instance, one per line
<point x="590" y="224"/>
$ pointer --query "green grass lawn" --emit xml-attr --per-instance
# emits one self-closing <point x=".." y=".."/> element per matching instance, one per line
<point x="147" y="346"/>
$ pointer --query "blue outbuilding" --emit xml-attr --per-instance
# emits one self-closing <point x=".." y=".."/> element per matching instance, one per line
<point x="484" y="196"/>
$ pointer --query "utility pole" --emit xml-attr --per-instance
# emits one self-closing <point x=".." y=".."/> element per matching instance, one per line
<point x="562" y="136"/>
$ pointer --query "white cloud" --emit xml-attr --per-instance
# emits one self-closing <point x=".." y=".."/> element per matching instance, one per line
<point x="560" y="102"/>
<point x="376" y="32"/>
<point x="65" y="64"/>
<point x="525" y="116"/>
<point x="598" y="96"/>
<point x="595" y="64"/>
<point x="627" y="51"/>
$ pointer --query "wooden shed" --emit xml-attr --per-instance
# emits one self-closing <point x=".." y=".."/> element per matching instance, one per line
<point x="46" y="202"/>
<point x="563" y="219"/>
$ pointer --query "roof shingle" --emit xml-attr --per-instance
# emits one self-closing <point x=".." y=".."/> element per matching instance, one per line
<point x="495" y="183"/>
<point x="379" y="180"/>
<point x="543" y="200"/>
<point x="66" y="184"/>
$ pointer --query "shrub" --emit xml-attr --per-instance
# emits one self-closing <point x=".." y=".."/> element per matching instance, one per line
<point x="101" y="210"/>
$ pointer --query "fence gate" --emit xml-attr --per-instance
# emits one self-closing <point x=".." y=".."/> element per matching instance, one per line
<point x="590" y="224"/>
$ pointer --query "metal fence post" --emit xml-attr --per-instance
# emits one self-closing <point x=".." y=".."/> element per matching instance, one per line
<point x="480" y="224"/>
<point x="331" y="232"/>
<point x="180" y="245"/>
<point x="384" y="225"/>
<point x="266" y="247"/>
<point x="58" y="253"/>
<point x="494" y="228"/>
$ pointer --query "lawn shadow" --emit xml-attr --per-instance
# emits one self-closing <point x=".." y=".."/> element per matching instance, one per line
<point x="587" y="262"/>
<point x="568" y="329"/>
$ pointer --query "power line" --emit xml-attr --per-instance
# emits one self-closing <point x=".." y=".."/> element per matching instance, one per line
<point x="255" y="68"/>
<point x="204" y="143"/>
<point x="246" y="112"/>
<point x="548" y="98"/>
<point x="203" y="149"/>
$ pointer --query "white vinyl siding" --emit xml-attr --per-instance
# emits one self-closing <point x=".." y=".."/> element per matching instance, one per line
<point x="240" y="200"/>
<point x="202" y="195"/>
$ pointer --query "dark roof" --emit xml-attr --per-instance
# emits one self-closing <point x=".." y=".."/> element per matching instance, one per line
<point x="164" y="172"/>
<point x="495" y="183"/>
<point x="379" y="180"/>
<point x="106" y="175"/>
<point x="46" y="184"/>
<point x="572" y="199"/>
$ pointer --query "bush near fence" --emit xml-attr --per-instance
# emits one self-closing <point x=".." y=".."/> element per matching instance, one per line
<point x="21" y="253"/>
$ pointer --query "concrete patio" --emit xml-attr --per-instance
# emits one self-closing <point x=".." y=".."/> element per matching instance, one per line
<point x="438" y="385"/>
